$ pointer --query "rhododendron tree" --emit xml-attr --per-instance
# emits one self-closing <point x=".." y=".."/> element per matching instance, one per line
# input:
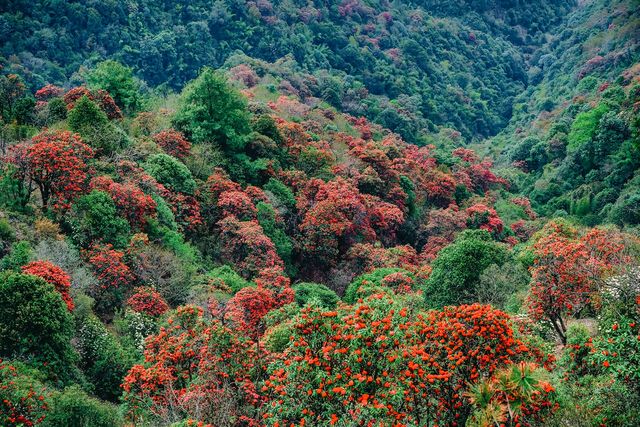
<point x="247" y="308"/>
<point x="114" y="277"/>
<point x="237" y="203"/>
<point x="148" y="301"/>
<point x="337" y="215"/>
<point x="53" y="274"/>
<point x="476" y="174"/>
<point x="245" y="245"/>
<point x="131" y="202"/>
<point x="58" y="164"/>
<point x="173" y="143"/>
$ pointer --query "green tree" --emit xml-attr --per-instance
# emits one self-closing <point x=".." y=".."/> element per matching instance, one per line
<point x="211" y="111"/>
<point x="457" y="269"/>
<point x="171" y="172"/>
<point x="87" y="119"/>
<point x="86" y="115"/>
<point x="275" y="231"/>
<point x="585" y="125"/>
<point x="119" y="81"/>
<point x="306" y="292"/>
<point x="95" y="218"/>
<point x="35" y="324"/>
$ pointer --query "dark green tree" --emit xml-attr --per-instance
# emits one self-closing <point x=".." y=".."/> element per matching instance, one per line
<point x="171" y="172"/>
<point x="211" y="111"/>
<point x="457" y="269"/>
<point x="35" y="325"/>
<point x="95" y="219"/>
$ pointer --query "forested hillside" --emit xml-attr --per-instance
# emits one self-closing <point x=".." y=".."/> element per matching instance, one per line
<point x="406" y="65"/>
<point x="286" y="213"/>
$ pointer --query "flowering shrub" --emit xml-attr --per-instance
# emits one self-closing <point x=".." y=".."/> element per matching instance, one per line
<point x="193" y="369"/>
<point x="377" y="363"/>
<point x="22" y="401"/>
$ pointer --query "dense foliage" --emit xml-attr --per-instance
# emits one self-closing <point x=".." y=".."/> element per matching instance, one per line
<point x="271" y="213"/>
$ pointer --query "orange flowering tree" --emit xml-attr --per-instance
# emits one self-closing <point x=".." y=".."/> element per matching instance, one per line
<point x="567" y="269"/>
<point x="194" y="368"/>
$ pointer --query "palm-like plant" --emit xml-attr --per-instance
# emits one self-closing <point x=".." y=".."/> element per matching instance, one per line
<point x="502" y="399"/>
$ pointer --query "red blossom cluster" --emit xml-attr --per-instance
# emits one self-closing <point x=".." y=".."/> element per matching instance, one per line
<point x="130" y="201"/>
<point x="476" y="174"/>
<point x="54" y="275"/>
<point x="173" y="143"/>
<point x="148" y="301"/>
<point x="20" y="406"/>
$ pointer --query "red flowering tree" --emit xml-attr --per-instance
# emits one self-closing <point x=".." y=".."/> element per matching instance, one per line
<point x="246" y="246"/>
<point x="274" y="280"/>
<point x="148" y="301"/>
<point x="237" y="203"/>
<point x="49" y="91"/>
<point x="57" y="163"/>
<point x="476" y="174"/>
<point x="567" y="269"/>
<point x="114" y="276"/>
<point x="193" y="369"/>
<point x="247" y="308"/>
<point x="173" y="143"/>
<point x="337" y="215"/>
<point x="471" y="342"/>
<point x="53" y="274"/>
<point x="131" y="202"/>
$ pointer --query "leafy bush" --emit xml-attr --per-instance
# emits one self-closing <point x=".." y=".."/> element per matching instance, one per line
<point x="306" y="292"/>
